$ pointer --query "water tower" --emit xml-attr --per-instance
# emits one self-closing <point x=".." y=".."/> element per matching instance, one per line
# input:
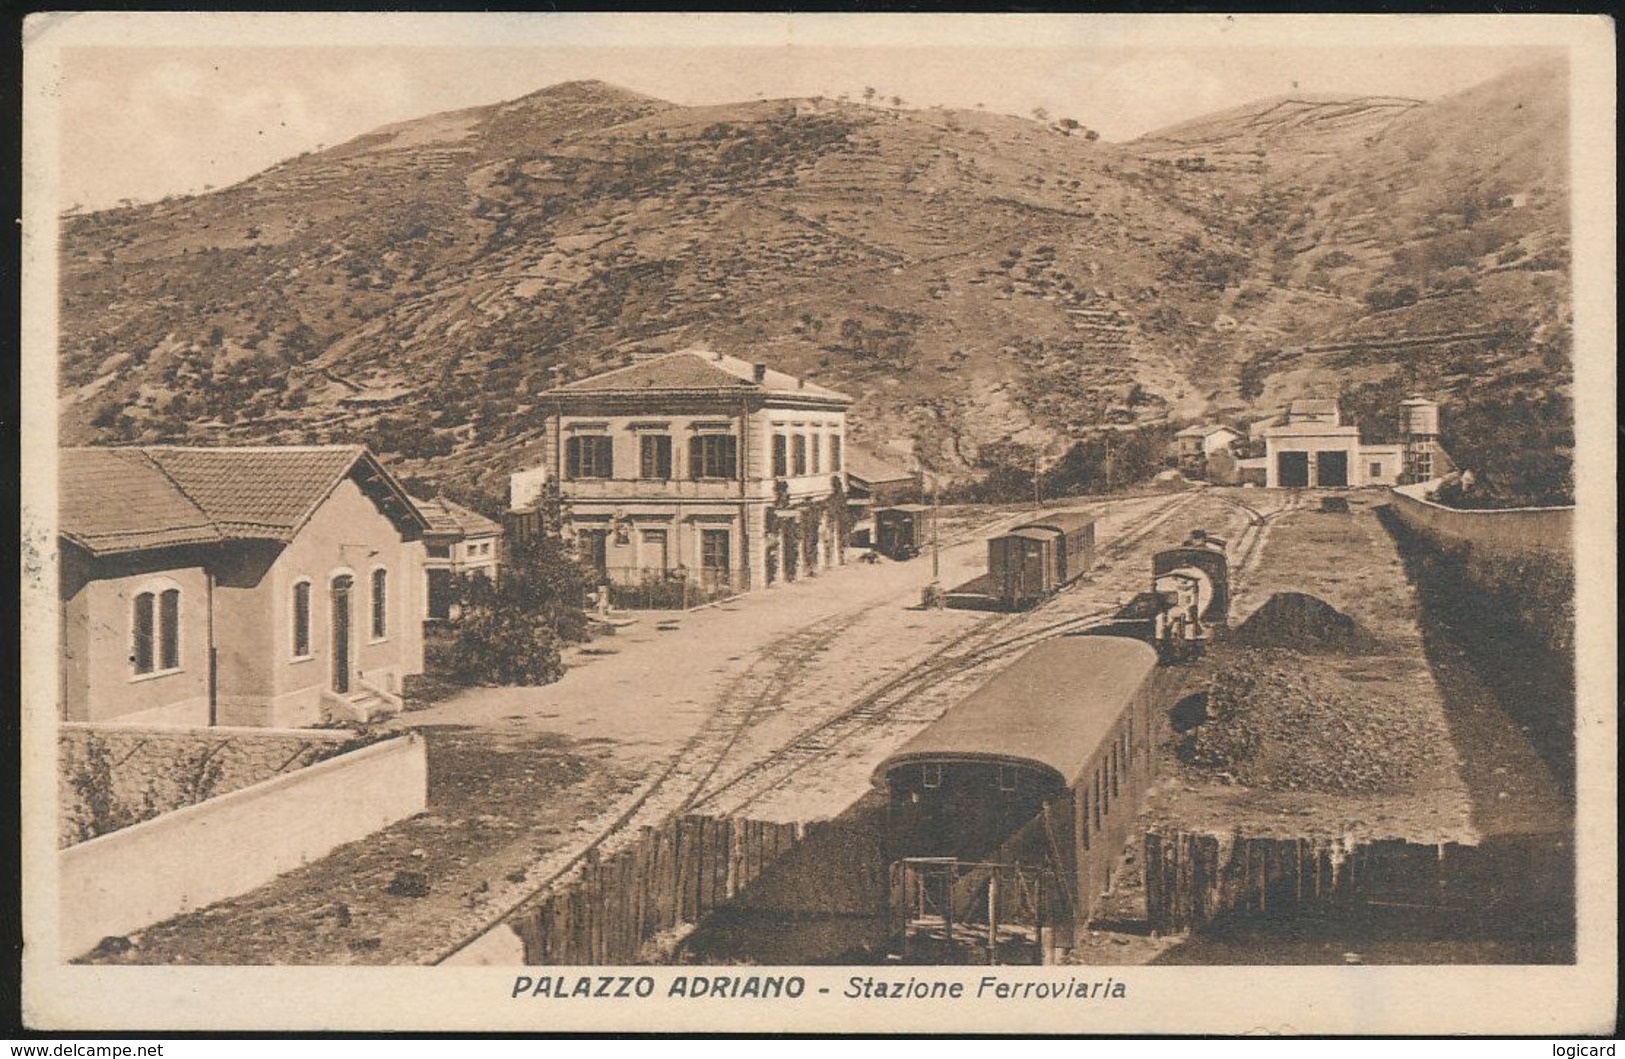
<point x="1419" y="430"/>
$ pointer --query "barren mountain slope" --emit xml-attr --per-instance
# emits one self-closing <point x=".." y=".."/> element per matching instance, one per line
<point x="970" y="278"/>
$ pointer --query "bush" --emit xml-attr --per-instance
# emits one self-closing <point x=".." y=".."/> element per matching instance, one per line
<point x="510" y="633"/>
<point x="1383" y="298"/>
<point x="495" y="642"/>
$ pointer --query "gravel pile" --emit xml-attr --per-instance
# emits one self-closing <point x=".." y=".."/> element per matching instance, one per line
<point x="1304" y="622"/>
<point x="1279" y="720"/>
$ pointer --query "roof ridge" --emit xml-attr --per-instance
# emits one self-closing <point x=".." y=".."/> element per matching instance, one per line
<point x="181" y="489"/>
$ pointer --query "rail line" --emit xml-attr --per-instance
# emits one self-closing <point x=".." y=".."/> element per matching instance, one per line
<point x="817" y="742"/>
<point x="977" y="647"/>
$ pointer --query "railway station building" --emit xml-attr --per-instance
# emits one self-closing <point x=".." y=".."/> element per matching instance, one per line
<point x="698" y="467"/>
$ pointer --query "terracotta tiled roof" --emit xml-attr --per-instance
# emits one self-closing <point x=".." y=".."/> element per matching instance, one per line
<point x="450" y="519"/>
<point x="1204" y="430"/>
<point x="128" y="499"/>
<point x="696" y="370"/>
<point x="1312" y="406"/>
<point x="258" y="491"/>
<point x="116" y="500"/>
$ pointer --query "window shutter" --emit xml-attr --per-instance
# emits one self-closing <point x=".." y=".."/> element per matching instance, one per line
<point x="141" y="633"/>
<point x="380" y="604"/>
<point x="169" y="629"/>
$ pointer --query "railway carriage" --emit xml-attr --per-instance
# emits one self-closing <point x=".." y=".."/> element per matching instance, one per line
<point x="1038" y="558"/>
<point x="1044" y="765"/>
<point x="900" y="530"/>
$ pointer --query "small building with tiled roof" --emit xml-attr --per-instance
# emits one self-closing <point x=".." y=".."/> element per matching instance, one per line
<point x="459" y="543"/>
<point x="1197" y="444"/>
<point x="267" y="586"/>
<point x="695" y="466"/>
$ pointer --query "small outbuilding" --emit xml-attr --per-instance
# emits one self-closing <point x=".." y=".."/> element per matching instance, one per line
<point x="260" y="586"/>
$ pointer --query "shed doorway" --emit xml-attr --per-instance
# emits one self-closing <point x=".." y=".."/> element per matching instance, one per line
<point x="1333" y="467"/>
<point x="1292" y="470"/>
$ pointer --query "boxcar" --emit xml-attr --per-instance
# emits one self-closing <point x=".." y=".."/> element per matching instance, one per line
<point x="1044" y="764"/>
<point x="900" y="531"/>
<point x="1037" y="558"/>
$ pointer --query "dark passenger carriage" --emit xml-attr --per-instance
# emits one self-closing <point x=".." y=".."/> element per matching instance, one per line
<point x="1045" y="763"/>
<point x="900" y="530"/>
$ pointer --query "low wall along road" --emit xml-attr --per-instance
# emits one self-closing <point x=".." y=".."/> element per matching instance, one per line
<point x="192" y="857"/>
<point x="1512" y="529"/>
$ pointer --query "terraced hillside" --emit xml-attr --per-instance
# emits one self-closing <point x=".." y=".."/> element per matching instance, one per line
<point x="971" y="278"/>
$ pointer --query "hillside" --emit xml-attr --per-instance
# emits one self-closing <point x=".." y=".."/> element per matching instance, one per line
<point x="971" y="278"/>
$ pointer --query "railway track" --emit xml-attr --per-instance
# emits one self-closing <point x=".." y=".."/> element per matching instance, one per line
<point x="682" y="785"/>
<point x="1250" y="544"/>
<point x="972" y="650"/>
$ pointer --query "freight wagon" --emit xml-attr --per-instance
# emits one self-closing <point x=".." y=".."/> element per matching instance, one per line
<point x="1038" y="558"/>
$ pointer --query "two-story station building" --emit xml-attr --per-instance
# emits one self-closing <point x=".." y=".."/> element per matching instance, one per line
<point x="699" y="465"/>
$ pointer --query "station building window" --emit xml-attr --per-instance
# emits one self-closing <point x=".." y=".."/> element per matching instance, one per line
<point x="713" y="456"/>
<point x="301" y="619"/>
<point x="654" y="457"/>
<point x="380" y="603"/>
<point x="589" y="456"/>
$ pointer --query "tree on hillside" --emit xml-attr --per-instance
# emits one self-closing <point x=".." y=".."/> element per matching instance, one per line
<point x="869" y="94"/>
<point x="1040" y="114"/>
<point x="1069" y="125"/>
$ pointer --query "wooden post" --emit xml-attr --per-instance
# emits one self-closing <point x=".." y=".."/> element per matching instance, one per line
<point x="1038" y="916"/>
<point x="993" y="918"/>
<point x="948" y="905"/>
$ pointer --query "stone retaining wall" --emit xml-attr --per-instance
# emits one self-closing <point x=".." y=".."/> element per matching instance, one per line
<point x="118" y="883"/>
<point x="1511" y="529"/>
<point x="112" y="776"/>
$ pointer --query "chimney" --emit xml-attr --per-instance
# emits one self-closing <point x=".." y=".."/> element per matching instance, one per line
<point x="759" y="372"/>
<point x="801" y="384"/>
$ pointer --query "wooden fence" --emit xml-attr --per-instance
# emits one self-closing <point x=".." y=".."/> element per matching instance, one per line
<point x="673" y="874"/>
<point x="1192" y="879"/>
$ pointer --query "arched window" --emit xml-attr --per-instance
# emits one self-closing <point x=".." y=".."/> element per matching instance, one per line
<point x="301" y="619"/>
<point x="380" y="603"/>
<point x="155" y="631"/>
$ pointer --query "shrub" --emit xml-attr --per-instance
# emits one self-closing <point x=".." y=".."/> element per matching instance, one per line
<point x="510" y="633"/>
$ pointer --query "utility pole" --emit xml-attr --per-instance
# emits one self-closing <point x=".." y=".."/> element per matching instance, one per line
<point x="936" y="536"/>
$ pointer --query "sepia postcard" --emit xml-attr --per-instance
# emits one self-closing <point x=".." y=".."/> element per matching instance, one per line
<point x="823" y="523"/>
